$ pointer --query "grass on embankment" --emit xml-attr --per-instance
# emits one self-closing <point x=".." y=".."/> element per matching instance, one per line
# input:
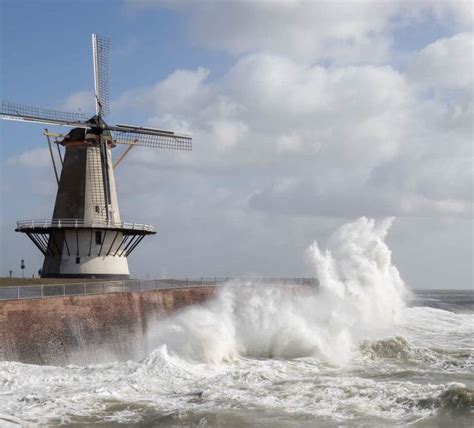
<point x="9" y="282"/>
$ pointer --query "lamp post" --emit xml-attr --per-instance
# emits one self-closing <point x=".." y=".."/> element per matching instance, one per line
<point x="22" y="268"/>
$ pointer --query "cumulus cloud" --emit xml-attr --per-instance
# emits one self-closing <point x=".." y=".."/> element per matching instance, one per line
<point x="178" y="92"/>
<point x="445" y="63"/>
<point x="350" y="32"/>
<point x="315" y="129"/>
<point x="311" y="198"/>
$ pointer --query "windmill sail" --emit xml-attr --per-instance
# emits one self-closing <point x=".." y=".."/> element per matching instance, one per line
<point x="150" y="137"/>
<point x="13" y="111"/>
<point x="100" y="51"/>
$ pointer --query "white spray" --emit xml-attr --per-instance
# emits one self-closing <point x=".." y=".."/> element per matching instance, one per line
<point x="360" y="291"/>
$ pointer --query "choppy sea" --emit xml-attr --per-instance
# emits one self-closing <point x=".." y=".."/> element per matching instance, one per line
<point x="362" y="350"/>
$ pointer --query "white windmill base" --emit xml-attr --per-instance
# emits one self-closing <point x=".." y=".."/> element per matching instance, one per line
<point x="78" y="250"/>
<point x="108" y="267"/>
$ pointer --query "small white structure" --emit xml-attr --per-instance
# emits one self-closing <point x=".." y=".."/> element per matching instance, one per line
<point x="86" y="237"/>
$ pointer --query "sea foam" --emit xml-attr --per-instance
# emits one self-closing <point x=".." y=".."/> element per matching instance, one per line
<point x="360" y="291"/>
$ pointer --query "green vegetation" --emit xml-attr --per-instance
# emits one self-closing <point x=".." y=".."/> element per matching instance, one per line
<point x="9" y="282"/>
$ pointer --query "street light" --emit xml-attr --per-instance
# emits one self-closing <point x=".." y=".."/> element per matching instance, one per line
<point x="22" y="268"/>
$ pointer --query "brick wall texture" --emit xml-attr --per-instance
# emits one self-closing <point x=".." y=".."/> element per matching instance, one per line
<point x="87" y="329"/>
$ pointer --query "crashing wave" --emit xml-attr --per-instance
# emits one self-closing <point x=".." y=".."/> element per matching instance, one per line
<point x="359" y="288"/>
<point x="456" y="399"/>
<point x="395" y="347"/>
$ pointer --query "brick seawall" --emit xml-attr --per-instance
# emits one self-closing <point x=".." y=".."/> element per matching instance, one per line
<point x="86" y="329"/>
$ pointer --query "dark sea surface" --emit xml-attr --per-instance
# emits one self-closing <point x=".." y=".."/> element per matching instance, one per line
<point x="276" y="363"/>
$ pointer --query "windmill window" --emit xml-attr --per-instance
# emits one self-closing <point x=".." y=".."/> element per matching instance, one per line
<point x="78" y="260"/>
<point x="97" y="209"/>
<point x="98" y="237"/>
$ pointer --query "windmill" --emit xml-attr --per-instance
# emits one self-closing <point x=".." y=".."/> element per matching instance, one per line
<point x="85" y="237"/>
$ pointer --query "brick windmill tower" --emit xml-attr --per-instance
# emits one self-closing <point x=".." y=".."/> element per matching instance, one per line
<point x="86" y="237"/>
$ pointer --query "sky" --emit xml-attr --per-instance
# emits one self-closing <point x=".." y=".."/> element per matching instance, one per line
<point x="305" y="115"/>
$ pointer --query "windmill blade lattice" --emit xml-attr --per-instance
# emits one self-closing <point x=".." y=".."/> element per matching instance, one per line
<point x="162" y="140"/>
<point x="13" y="111"/>
<point x="100" y="49"/>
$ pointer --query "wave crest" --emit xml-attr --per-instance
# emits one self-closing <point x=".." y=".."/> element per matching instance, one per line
<point x="394" y="347"/>
<point x="359" y="288"/>
<point x="456" y="399"/>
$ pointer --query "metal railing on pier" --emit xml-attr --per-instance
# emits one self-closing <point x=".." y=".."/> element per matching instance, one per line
<point x="130" y="286"/>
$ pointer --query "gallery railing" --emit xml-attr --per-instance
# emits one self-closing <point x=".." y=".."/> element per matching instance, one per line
<point x="68" y="223"/>
<point x="130" y="286"/>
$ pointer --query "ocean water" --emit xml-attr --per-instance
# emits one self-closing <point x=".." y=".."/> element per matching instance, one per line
<point x="361" y="350"/>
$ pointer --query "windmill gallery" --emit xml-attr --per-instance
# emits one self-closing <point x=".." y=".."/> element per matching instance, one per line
<point x="86" y="237"/>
